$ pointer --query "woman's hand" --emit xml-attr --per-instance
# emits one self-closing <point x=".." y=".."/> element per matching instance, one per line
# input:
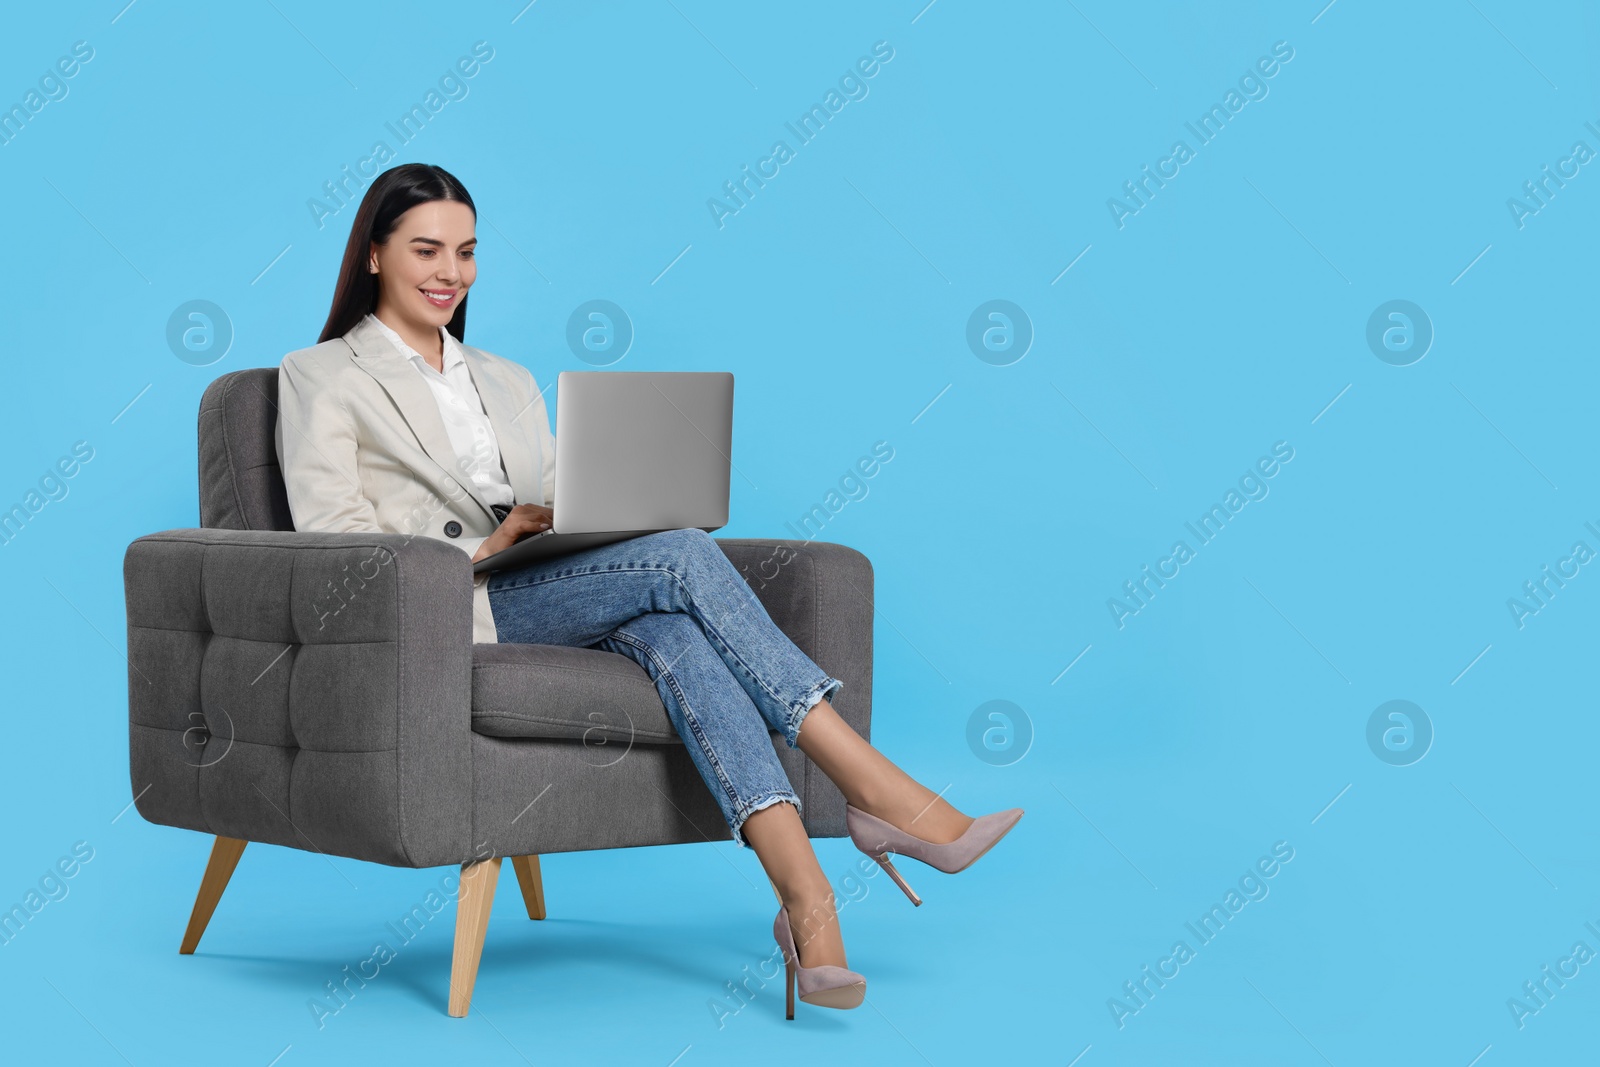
<point x="523" y="519"/>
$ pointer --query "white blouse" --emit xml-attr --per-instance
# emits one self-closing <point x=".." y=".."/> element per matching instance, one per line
<point x="461" y="409"/>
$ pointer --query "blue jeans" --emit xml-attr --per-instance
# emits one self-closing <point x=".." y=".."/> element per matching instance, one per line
<point x="673" y="603"/>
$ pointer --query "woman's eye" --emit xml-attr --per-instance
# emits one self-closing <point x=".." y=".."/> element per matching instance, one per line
<point x="468" y="253"/>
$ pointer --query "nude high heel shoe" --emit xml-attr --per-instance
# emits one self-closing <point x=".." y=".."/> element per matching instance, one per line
<point x="826" y="986"/>
<point x="877" y="839"/>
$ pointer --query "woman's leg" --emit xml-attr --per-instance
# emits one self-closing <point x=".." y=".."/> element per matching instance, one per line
<point x="780" y="840"/>
<point x="772" y="670"/>
<point x="729" y="743"/>
<point x="870" y="781"/>
<point x="726" y="739"/>
<point x="578" y="599"/>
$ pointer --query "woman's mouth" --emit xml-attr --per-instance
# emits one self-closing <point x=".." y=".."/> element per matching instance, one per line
<point x="439" y="298"/>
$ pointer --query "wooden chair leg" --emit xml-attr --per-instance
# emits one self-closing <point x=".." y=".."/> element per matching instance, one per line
<point x="532" y="883"/>
<point x="472" y="921"/>
<point x="225" y="852"/>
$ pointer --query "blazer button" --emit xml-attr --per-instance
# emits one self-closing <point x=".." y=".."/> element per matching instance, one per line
<point x="452" y="529"/>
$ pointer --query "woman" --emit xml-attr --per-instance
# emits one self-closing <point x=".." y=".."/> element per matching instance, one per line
<point x="395" y="413"/>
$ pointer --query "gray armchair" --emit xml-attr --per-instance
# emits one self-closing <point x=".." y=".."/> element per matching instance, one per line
<point x="321" y="691"/>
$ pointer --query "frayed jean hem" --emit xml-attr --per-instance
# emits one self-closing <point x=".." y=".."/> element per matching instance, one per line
<point x="797" y="715"/>
<point x="756" y="805"/>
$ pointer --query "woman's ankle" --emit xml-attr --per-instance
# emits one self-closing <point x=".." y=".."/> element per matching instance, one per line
<point x="814" y="922"/>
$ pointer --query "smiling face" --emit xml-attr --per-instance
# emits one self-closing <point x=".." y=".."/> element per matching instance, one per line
<point x="425" y="269"/>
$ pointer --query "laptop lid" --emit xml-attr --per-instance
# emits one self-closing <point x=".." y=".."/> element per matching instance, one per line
<point x="642" y="450"/>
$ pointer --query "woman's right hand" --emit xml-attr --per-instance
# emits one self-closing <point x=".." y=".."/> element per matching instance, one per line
<point x="523" y="519"/>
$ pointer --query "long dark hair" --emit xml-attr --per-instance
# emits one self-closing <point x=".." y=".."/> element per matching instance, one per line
<point x="393" y="193"/>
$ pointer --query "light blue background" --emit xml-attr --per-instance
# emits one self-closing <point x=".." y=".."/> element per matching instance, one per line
<point x="1223" y="317"/>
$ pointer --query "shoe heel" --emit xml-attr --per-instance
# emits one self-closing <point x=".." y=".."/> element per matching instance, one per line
<point x="788" y="987"/>
<point x="883" y="861"/>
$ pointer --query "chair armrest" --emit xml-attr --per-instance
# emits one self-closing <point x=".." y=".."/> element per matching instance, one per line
<point x="303" y="689"/>
<point x="820" y="595"/>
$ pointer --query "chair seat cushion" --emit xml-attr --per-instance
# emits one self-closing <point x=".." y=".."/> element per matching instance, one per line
<point x="558" y="692"/>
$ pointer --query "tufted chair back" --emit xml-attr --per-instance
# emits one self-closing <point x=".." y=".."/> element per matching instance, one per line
<point x="241" y="487"/>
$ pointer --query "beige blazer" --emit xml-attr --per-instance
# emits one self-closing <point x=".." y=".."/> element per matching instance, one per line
<point x="362" y="447"/>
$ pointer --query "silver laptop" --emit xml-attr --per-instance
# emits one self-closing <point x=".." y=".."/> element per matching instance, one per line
<point x="637" y="452"/>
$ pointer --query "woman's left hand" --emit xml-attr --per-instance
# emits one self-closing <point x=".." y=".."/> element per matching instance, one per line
<point x="522" y="520"/>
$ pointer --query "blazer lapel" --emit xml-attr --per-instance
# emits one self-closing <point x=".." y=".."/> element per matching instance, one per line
<point x="374" y="354"/>
<point x="523" y="467"/>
